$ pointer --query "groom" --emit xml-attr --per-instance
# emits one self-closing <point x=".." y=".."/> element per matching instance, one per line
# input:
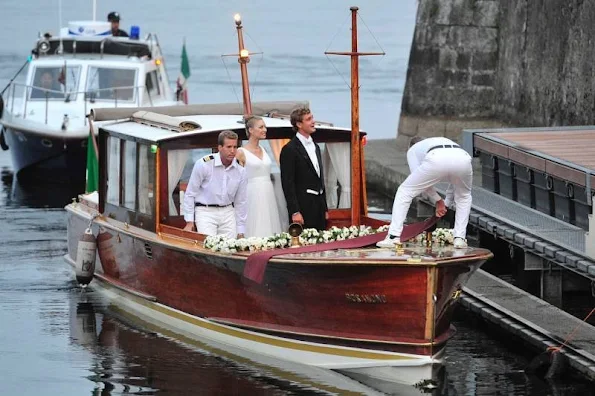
<point x="301" y="174"/>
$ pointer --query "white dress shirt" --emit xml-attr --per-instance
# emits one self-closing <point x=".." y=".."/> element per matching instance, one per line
<point x="310" y="147"/>
<point x="211" y="183"/>
<point x="417" y="153"/>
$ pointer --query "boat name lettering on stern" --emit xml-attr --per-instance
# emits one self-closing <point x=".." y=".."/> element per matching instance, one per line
<point x="366" y="298"/>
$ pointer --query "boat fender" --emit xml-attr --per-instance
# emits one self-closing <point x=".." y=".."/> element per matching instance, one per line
<point x="107" y="256"/>
<point x="3" y="140"/>
<point x="549" y="364"/>
<point x="1" y="105"/>
<point x="85" y="258"/>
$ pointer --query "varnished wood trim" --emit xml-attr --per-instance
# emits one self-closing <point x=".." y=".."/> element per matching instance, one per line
<point x="339" y="214"/>
<point x="229" y="322"/>
<point x="157" y="189"/>
<point x="124" y="288"/>
<point x="431" y="288"/>
<point x="488" y="146"/>
<point x="565" y="173"/>
<point x="524" y="158"/>
<point x="175" y="231"/>
<point x="364" y="190"/>
<point x="274" y="341"/>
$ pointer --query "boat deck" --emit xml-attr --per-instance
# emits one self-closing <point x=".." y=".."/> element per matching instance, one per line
<point x="411" y="253"/>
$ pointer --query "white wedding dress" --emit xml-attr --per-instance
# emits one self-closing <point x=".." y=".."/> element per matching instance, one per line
<point x="263" y="213"/>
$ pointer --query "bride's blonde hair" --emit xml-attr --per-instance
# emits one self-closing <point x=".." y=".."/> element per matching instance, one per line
<point x="250" y="122"/>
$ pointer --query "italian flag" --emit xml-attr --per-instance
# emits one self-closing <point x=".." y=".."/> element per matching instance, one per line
<point x="182" y="90"/>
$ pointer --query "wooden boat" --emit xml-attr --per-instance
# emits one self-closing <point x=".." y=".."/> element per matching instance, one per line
<point x="378" y="315"/>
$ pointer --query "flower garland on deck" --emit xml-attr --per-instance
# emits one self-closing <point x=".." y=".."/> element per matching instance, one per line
<point x="309" y="236"/>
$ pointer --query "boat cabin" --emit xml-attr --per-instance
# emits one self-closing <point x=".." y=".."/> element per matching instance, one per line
<point x="86" y="68"/>
<point x="147" y="161"/>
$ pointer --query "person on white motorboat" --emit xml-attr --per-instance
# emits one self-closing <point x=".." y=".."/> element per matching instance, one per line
<point x="431" y="161"/>
<point x="114" y="18"/>
<point x="216" y="199"/>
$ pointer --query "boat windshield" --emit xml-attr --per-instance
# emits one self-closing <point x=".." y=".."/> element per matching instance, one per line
<point x="105" y="83"/>
<point x="55" y="82"/>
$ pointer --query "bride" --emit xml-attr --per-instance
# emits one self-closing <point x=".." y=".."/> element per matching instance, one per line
<point x="263" y="213"/>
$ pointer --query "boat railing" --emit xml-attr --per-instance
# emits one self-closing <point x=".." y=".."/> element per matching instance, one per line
<point x="106" y="96"/>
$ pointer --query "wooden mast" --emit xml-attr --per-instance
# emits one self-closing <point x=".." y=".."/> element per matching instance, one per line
<point x="243" y="59"/>
<point x="356" y="167"/>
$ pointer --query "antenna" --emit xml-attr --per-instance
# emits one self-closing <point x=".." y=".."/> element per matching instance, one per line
<point x="94" y="10"/>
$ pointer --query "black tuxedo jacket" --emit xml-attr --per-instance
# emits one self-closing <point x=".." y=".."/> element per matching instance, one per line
<point x="299" y="180"/>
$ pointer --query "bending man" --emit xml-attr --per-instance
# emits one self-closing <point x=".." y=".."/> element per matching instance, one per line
<point x="431" y="161"/>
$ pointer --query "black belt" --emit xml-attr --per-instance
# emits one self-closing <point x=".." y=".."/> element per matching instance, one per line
<point x="212" y="206"/>
<point x="443" y="146"/>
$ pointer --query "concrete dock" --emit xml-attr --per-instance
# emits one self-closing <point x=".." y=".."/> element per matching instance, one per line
<point x="549" y="246"/>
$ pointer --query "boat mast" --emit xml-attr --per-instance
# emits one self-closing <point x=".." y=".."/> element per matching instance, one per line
<point x="356" y="167"/>
<point x="243" y="59"/>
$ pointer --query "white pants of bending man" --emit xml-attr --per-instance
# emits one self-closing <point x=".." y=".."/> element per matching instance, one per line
<point x="215" y="221"/>
<point x="451" y="165"/>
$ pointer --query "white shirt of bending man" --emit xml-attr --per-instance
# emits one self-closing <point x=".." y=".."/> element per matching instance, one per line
<point x="217" y="179"/>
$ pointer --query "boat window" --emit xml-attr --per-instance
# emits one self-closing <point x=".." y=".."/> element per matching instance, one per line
<point x="179" y="169"/>
<point x="105" y="83"/>
<point x="55" y="82"/>
<point x="146" y="176"/>
<point x="129" y="174"/>
<point x="336" y="162"/>
<point x="152" y="83"/>
<point x="113" y="173"/>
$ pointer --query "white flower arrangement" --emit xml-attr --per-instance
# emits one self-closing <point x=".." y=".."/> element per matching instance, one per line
<point x="309" y="236"/>
<point x="441" y="236"/>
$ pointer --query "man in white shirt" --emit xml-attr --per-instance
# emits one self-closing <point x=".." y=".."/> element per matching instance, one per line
<point x="216" y="199"/>
<point x="302" y="174"/>
<point x="431" y="161"/>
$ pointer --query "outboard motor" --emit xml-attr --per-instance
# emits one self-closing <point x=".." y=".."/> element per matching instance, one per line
<point x="85" y="258"/>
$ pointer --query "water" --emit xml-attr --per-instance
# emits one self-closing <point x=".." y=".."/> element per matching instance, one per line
<point x="56" y="341"/>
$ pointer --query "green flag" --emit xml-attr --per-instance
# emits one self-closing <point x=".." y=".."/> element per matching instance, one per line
<point x="92" y="166"/>
<point x="182" y="90"/>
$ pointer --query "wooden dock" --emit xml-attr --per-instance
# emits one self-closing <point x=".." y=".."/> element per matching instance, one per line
<point x="548" y="169"/>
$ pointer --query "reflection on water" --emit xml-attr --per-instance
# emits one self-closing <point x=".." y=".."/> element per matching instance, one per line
<point x="133" y="361"/>
<point x="36" y="193"/>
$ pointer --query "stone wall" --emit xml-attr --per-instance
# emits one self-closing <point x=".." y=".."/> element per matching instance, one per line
<point x="452" y="68"/>
<point x="490" y="63"/>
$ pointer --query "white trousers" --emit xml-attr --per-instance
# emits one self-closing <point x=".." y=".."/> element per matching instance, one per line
<point x="451" y="165"/>
<point x="215" y="221"/>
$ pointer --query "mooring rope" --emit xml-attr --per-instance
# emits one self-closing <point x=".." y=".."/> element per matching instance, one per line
<point x="571" y="336"/>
